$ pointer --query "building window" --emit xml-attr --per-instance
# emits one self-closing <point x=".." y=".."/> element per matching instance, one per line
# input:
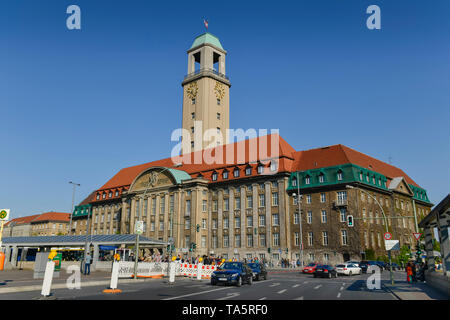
<point x="225" y="223"/>
<point x="307" y="180"/>
<point x="204" y="205"/>
<point x="214" y="223"/>
<point x="379" y="240"/>
<point x="249" y="240"/>
<point x="237" y="240"/>
<point x="162" y="208"/>
<point x="152" y="226"/>
<point x="262" y="220"/>
<point x="275" y="199"/>
<point x="218" y="116"/>
<point x="308" y="198"/>
<point x="275" y="219"/>
<point x="296" y="215"/>
<point x="203" y="223"/>
<point x="188" y="207"/>
<point x="344" y="237"/>
<point x="193" y="115"/>
<point x="294" y="182"/>
<point x="262" y="200"/>
<point x="98" y="196"/>
<point x="236" y="173"/>
<point x="310" y="238"/>
<point x="104" y="196"/>
<point x="360" y="176"/>
<point x="296" y="238"/>
<point x="203" y="241"/>
<point x="260" y="169"/>
<point x="215" y="205"/>
<point x="187" y="224"/>
<point x="326" y="257"/>
<point x="226" y="242"/>
<point x="342" y="215"/>
<point x="262" y="240"/>
<point x="226" y="204"/>
<point x="248" y="171"/>
<point x="325" y="238"/>
<point x="237" y="222"/>
<point x="161" y="225"/>
<point x="249" y="201"/>
<point x="309" y="217"/>
<point x="249" y="221"/>
<point x="324" y="216"/>
<point x="276" y="239"/>
<point x="192" y="144"/>
<point x="311" y="257"/>
<point x="321" y="178"/>
<point x="273" y="166"/>
<point x="342" y="197"/>
<point x="237" y="203"/>
<point x="214" y="176"/>
<point x="192" y="129"/>
<point x="218" y="102"/>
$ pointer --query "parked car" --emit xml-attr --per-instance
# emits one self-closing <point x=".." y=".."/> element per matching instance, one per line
<point x="325" y="271"/>
<point x="376" y="264"/>
<point x="310" y="268"/>
<point x="383" y="265"/>
<point x="364" y="265"/>
<point x="348" y="269"/>
<point x="394" y="266"/>
<point x="259" y="270"/>
<point x="235" y="273"/>
<point x="353" y="262"/>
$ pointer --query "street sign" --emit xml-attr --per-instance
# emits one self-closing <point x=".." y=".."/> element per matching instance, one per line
<point x="170" y="240"/>
<point x="417" y="235"/>
<point x="139" y="227"/>
<point x="392" y="245"/>
<point x="387" y="236"/>
<point x="4" y="214"/>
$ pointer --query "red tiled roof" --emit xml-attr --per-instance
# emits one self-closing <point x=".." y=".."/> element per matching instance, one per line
<point x="22" y="220"/>
<point x="53" y="216"/>
<point x="88" y="199"/>
<point x="340" y="154"/>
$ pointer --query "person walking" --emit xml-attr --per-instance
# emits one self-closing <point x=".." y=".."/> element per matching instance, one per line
<point x="87" y="264"/>
<point x="409" y="272"/>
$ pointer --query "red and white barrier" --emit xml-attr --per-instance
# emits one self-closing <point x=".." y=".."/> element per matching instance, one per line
<point x="190" y="270"/>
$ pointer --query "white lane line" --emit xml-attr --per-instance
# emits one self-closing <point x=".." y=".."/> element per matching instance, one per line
<point x="342" y="288"/>
<point x="343" y="284"/>
<point x="281" y="291"/>
<point x="299" y="298"/>
<point x="229" y="296"/>
<point x="295" y="285"/>
<point x="339" y="295"/>
<point x="202" y="292"/>
<point x="275" y="284"/>
<point x="263" y="298"/>
<point x="317" y="287"/>
<point x="305" y="282"/>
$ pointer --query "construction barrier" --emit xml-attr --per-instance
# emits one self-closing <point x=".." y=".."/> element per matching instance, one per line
<point x="190" y="270"/>
<point x="160" y="269"/>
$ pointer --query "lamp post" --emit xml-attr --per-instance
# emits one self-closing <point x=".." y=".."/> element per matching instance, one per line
<point x="299" y="201"/>
<point x="150" y="182"/>
<point x="385" y="223"/>
<point x="73" y="202"/>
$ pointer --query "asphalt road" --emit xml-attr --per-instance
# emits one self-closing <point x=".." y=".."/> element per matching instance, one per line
<point x="279" y="286"/>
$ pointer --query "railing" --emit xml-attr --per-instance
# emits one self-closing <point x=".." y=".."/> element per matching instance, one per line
<point x="206" y="70"/>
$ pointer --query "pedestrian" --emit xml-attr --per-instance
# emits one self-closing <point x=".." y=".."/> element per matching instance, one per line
<point x="409" y="272"/>
<point x="414" y="272"/>
<point x="87" y="264"/>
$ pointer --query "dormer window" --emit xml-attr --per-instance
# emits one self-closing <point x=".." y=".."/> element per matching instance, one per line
<point x="236" y="173"/>
<point x="321" y="178"/>
<point x="294" y="182"/>
<point x="273" y="166"/>
<point x="110" y="194"/>
<point x="379" y="181"/>
<point x="374" y="180"/>
<point x="260" y="169"/>
<point x="307" y="180"/>
<point x="367" y="178"/>
<point x="98" y="196"/>
<point x="225" y="175"/>
<point x="339" y="175"/>
<point x="248" y="171"/>
<point x="214" y="176"/>
<point x="104" y="196"/>
<point x="361" y="176"/>
<point x="117" y="193"/>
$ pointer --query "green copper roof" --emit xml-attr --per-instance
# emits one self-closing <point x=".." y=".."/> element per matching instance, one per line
<point x="207" y="38"/>
<point x="179" y="175"/>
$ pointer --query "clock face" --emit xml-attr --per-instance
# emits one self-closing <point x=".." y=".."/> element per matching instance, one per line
<point x="219" y="90"/>
<point x="192" y="90"/>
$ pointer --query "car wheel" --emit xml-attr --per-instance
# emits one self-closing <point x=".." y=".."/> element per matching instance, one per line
<point x="250" y="280"/>
<point x="329" y="275"/>
<point x="265" y="276"/>
<point x="239" y="282"/>
<point x="336" y="275"/>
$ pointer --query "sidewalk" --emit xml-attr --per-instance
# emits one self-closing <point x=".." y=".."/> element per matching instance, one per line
<point x="402" y="290"/>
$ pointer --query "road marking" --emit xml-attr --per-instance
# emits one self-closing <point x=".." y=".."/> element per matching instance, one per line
<point x="263" y="298"/>
<point x="295" y="285"/>
<point x="343" y="284"/>
<point x="342" y="288"/>
<point x="299" y="298"/>
<point x="275" y="284"/>
<point x="339" y="295"/>
<point x="305" y="282"/>
<point x="317" y="287"/>
<point x="284" y="290"/>
<point x="229" y="296"/>
<point x="202" y="292"/>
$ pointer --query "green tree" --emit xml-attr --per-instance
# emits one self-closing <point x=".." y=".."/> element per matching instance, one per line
<point x="370" y="254"/>
<point x="404" y="255"/>
<point x="436" y="245"/>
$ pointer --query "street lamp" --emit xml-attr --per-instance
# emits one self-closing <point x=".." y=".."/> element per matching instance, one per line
<point x="385" y="223"/>
<point x="73" y="202"/>
<point x="299" y="201"/>
<point x="136" y="256"/>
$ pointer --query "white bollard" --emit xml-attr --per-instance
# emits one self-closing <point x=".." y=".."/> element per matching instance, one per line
<point x="48" y="277"/>
<point x="114" y="275"/>
<point x="199" y="271"/>
<point x="172" y="272"/>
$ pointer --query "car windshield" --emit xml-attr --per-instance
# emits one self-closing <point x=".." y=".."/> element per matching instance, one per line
<point x="253" y="265"/>
<point x="311" y="265"/>
<point x="230" y="265"/>
<point x="340" y="266"/>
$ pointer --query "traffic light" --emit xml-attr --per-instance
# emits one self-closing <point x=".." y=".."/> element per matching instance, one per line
<point x="350" y="221"/>
<point x="198" y="228"/>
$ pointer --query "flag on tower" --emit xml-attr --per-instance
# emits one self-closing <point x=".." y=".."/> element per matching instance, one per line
<point x="206" y="23"/>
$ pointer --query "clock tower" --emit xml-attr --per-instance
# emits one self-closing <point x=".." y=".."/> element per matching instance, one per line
<point x="206" y="99"/>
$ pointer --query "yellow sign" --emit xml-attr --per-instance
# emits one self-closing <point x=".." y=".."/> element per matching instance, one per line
<point x="200" y="259"/>
<point x="174" y="258"/>
<point x="52" y="254"/>
<point x="117" y="257"/>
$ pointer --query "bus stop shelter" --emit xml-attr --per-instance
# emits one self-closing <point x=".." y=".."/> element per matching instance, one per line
<point x="44" y="243"/>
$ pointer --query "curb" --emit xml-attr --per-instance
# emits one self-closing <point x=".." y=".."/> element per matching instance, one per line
<point x="391" y="291"/>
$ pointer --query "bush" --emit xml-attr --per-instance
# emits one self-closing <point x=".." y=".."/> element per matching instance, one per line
<point x="370" y="254"/>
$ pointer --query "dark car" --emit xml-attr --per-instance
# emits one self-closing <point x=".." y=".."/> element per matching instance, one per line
<point x="324" y="270"/>
<point x="394" y="266"/>
<point x="364" y="265"/>
<point x="235" y="273"/>
<point x="259" y="271"/>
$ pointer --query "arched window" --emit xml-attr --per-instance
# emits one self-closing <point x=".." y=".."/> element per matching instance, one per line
<point x="339" y="175"/>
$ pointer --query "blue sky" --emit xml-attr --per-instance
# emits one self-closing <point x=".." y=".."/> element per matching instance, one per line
<point x="82" y="104"/>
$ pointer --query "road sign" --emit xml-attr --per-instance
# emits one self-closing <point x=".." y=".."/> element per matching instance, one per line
<point x="139" y="227"/>
<point x="4" y="214"/>
<point x="392" y="245"/>
<point x="387" y="236"/>
<point x="417" y="235"/>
